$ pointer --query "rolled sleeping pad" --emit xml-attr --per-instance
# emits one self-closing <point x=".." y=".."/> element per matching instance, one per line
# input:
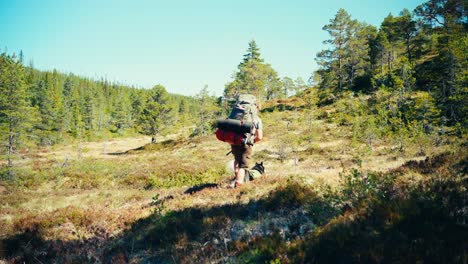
<point x="230" y="137"/>
<point x="235" y="125"/>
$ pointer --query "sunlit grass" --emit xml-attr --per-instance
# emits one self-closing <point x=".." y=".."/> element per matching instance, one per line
<point x="103" y="189"/>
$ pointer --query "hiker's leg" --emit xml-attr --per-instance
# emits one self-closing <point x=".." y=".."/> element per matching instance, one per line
<point x="241" y="162"/>
<point x="244" y="163"/>
<point x="240" y="176"/>
<point x="236" y="168"/>
<point x="237" y="152"/>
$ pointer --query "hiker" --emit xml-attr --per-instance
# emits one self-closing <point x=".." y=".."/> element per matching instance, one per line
<point x="241" y="129"/>
<point x="242" y="154"/>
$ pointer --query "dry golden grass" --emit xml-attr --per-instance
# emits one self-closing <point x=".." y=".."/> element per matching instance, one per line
<point x="102" y="188"/>
<point x="325" y="165"/>
<point x="101" y="149"/>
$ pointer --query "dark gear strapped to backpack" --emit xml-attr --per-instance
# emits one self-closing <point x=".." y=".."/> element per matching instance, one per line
<point x="240" y="126"/>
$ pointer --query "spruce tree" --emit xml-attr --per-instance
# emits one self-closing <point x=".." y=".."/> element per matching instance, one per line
<point x="253" y="53"/>
<point x="157" y="115"/>
<point x="14" y="109"/>
<point x="49" y="100"/>
<point x="76" y="125"/>
<point x="121" y="110"/>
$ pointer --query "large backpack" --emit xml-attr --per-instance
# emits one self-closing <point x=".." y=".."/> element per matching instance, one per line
<point x="239" y="128"/>
<point x="245" y="108"/>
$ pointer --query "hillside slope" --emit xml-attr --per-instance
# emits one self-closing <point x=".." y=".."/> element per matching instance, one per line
<point x="125" y="201"/>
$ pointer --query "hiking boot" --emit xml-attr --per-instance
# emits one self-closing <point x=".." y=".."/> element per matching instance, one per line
<point x="234" y="184"/>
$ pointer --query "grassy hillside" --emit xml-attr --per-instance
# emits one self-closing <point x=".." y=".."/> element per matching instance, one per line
<point x="329" y="196"/>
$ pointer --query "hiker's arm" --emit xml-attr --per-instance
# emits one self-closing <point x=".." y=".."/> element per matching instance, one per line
<point x="258" y="135"/>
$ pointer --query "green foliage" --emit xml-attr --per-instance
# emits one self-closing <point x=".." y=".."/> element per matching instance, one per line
<point x="289" y="140"/>
<point x="425" y="52"/>
<point x="293" y="195"/>
<point x="393" y="220"/>
<point x="394" y="88"/>
<point x="264" y="250"/>
<point x="178" y="178"/>
<point x="255" y="77"/>
<point x="15" y="113"/>
<point x="63" y="108"/>
<point x="390" y="116"/>
<point x="346" y="61"/>
<point x="357" y="186"/>
<point x="288" y="86"/>
<point x="390" y="218"/>
<point x="157" y="116"/>
<point x="159" y="205"/>
<point x="348" y="108"/>
<point x="207" y="110"/>
<point x="310" y="97"/>
<point x="121" y="114"/>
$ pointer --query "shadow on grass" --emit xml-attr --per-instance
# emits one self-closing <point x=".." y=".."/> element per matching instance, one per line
<point x="201" y="187"/>
<point x="419" y="229"/>
<point x="193" y="235"/>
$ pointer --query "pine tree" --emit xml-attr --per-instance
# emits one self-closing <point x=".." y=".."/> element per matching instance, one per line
<point x="254" y="77"/>
<point x="408" y="31"/>
<point x="383" y="52"/>
<point x="288" y="86"/>
<point x="357" y="60"/>
<point x="272" y="84"/>
<point x="333" y="60"/>
<point x="300" y="85"/>
<point x="445" y="72"/>
<point x="389" y="29"/>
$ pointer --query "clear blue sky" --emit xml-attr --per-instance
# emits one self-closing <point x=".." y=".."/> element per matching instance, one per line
<point x="182" y="45"/>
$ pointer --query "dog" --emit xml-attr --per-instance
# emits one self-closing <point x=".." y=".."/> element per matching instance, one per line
<point x="256" y="172"/>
